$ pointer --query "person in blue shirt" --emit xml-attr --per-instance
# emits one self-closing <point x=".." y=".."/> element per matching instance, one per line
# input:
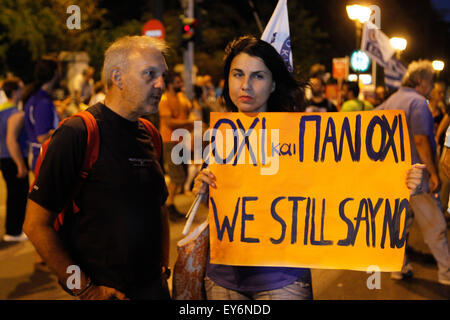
<point x="257" y="80"/>
<point x="417" y="84"/>
<point x="41" y="117"/>
<point x="13" y="153"/>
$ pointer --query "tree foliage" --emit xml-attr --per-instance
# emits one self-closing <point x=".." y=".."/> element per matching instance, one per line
<point x="30" y="29"/>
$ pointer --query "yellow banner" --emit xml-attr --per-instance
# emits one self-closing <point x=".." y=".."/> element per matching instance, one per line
<point x="318" y="190"/>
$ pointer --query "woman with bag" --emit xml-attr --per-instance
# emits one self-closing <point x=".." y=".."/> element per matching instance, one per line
<point x="257" y="80"/>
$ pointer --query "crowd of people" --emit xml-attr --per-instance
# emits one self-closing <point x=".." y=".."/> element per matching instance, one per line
<point x="123" y="205"/>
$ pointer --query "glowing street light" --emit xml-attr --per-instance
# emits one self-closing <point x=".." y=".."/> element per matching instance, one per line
<point x="438" y="65"/>
<point x="357" y="12"/>
<point x="398" y="43"/>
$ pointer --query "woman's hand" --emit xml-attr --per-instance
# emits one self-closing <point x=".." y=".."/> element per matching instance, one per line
<point x="203" y="180"/>
<point x="22" y="171"/>
<point x="414" y="176"/>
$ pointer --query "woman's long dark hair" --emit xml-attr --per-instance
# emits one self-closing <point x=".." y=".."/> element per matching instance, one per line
<point x="289" y="95"/>
<point x="43" y="72"/>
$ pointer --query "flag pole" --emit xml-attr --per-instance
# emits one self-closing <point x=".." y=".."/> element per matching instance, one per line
<point x="255" y="14"/>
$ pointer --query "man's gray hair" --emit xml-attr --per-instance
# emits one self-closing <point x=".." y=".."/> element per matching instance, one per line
<point x="118" y="52"/>
<point x="417" y="70"/>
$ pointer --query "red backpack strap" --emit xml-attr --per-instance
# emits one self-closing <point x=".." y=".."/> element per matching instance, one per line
<point x="90" y="157"/>
<point x="93" y="141"/>
<point x="156" y="138"/>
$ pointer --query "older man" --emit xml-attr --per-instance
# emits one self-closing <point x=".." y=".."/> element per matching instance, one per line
<point x="411" y="97"/>
<point x="118" y="241"/>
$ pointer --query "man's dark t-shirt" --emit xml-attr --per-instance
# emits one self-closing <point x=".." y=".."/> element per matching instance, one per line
<point x="116" y="236"/>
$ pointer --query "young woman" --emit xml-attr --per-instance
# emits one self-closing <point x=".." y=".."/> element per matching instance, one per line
<point x="257" y="80"/>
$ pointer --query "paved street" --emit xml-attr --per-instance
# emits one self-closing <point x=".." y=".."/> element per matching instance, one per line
<point x="20" y="279"/>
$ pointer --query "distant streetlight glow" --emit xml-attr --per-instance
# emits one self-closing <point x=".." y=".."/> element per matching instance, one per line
<point x="398" y="43"/>
<point x="438" y="65"/>
<point x="357" y="12"/>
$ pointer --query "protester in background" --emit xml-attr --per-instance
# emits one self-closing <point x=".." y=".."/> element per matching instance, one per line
<point x="350" y="93"/>
<point x="83" y="86"/>
<point x="446" y="152"/>
<point x="257" y="80"/>
<point x="41" y="118"/>
<point x="99" y="93"/>
<point x="440" y="138"/>
<point x="437" y="105"/>
<point x="411" y="97"/>
<point x="444" y="173"/>
<point x="208" y="89"/>
<point x="87" y="87"/>
<point x="318" y="102"/>
<point x="200" y="112"/>
<point x="13" y="163"/>
<point x="3" y="97"/>
<point x="219" y="88"/>
<point x="380" y="95"/>
<point x="119" y="239"/>
<point x="174" y="113"/>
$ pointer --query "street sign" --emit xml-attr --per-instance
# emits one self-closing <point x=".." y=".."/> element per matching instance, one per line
<point x="154" y="28"/>
<point x="340" y="68"/>
<point x="359" y="61"/>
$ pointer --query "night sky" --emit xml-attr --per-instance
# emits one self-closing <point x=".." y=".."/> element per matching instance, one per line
<point x="444" y="7"/>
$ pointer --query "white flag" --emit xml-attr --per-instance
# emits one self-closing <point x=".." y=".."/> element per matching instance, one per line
<point x="376" y="44"/>
<point x="393" y="73"/>
<point x="277" y="33"/>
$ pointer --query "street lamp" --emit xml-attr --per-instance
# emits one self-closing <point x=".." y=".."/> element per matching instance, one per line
<point x="357" y="12"/>
<point x="438" y="65"/>
<point x="399" y="44"/>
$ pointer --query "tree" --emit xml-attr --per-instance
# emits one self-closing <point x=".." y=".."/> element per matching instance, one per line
<point x="31" y="29"/>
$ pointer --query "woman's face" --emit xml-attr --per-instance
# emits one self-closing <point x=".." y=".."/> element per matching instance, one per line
<point x="250" y="83"/>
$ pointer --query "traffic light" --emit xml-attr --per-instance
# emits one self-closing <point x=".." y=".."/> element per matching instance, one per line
<point x="188" y="29"/>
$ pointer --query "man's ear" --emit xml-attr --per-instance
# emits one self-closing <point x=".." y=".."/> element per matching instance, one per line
<point x="116" y="78"/>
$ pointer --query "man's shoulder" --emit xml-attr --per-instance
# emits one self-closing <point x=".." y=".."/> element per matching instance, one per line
<point x="75" y="126"/>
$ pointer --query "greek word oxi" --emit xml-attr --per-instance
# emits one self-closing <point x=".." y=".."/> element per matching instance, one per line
<point x="239" y="139"/>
